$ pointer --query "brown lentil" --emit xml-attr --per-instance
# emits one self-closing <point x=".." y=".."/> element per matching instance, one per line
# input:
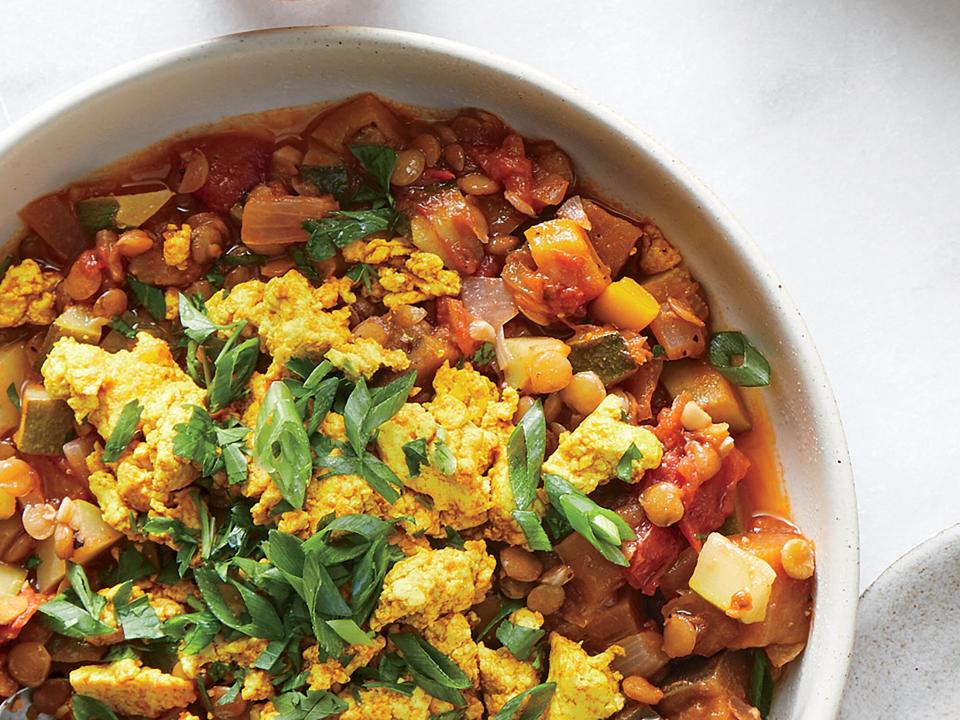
<point x="523" y="404"/>
<point x="29" y="663"/>
<point x="546" y="599"/>
<point x="109" y="254"/>
<point x="134" y="242"/>
<point x="797" y="558"/>
<point x="51" y="695"/>
<point x="63" y="541"/>
<point x="39" y="520"/>
<point x="679" y="636"/>
<point x="514" y="589"/>
<point x="17" y="477"/>
<point x="408" y="168"/>
<point x="275" y="267"/>
<point x="84" y="277"/>
<point x="446" y="134"/>
<point x="19" y="549"/>
<point x="641" y="690"/>
<point x="478" y="184"/>
<point x="557" y="575"/>
<point x="550" y="371"/>
<point x="428" y="144"/>
<point x="454" y="157"/>
<point x="111" y="303"/>
<point x="520" y="564"/>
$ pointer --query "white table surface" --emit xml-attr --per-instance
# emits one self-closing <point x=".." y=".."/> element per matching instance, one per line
<point x="828" y="126"/>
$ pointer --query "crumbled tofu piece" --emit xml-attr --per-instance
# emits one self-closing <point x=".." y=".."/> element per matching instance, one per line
<point x="323" y="674"/>
<point x="386" y="704"/>
<point x="587" y="688"/>
<point x="241" y="652"/>
<point x="27" y="293"/>
<point x="97" y="385"/>
<point x="128" y="688"/>
<point x="422" y="277"/>
<point x="451" y="635"/>
<point x="502" y="676"/>
<point x="176" y="246"/>
<point x="295" y="319"/>
<point x="588" y="456"/>
<point x="421" y="588"/>
<point x="471" y="417"/>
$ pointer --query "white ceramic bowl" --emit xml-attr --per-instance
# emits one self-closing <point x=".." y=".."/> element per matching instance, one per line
<point x="140" y="103"/>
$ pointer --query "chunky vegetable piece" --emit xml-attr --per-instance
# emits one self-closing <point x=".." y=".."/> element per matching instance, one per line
<point x="372" y="415"/>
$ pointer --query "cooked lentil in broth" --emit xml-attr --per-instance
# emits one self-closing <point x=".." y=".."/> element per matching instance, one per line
<point x="379" y="415"/>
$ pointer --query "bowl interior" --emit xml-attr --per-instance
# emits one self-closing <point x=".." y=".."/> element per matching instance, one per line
<point x="139" y="104"/>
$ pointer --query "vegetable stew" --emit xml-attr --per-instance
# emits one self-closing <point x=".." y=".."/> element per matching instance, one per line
<point x="379" y="414"/>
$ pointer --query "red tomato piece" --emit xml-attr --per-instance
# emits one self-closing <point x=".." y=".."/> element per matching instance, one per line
<point x="654" y="551"/>
<point x="453" y="315"/>
<point x="34" y="600"/>
<point x="237" y="162"/>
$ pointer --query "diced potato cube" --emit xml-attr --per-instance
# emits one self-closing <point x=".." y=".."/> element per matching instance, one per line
<point x="13" y="366"/>
<point x="709" y="389"/>
<point x="625" y="304"/>
<point x="11" y="580"/>
<point x="733" y="580"/>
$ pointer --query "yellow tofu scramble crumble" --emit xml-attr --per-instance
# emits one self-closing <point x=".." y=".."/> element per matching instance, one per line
<point x="382" y="419"/>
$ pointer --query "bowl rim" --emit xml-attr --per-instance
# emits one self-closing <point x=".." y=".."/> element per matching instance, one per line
<point x="830" y="682"/>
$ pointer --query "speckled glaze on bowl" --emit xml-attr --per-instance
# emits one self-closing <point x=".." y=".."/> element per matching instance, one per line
<point x="906" y="656"/>
<point x="140" y="103"/>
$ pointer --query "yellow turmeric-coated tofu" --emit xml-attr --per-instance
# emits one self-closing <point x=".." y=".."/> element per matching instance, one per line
<point x="323" y="674"/>
<point x="241" y="652"/>
<point x="588" y="456"/>
<point x="421" y="588"/>
<point x="471" y="418"/>
<point x="295" y="319"/>
<point x="422" y="277"/>
<point x="587" y="688"/>
<point x="405" y="275"/>
<point x="27" y="293"/>
<point x="128" y="688"/>
<point x="503" y="676"/>
<point x="256" y="686"/>
<point x="385" y="704"/>
<point x="176" y="245"/>
<point x="97" y="385"/>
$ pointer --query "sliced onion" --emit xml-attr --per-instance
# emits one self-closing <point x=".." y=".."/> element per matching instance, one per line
<point x="573" y="209"/>
<point x="195" y="171"/>
<point x="75" y="452"/>
<point x="504" y="356"/>
<point x="642" y="656"/>
<point x="488" y="299"/>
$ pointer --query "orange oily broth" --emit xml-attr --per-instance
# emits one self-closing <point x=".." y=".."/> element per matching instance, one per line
<point x="762" y="491"/>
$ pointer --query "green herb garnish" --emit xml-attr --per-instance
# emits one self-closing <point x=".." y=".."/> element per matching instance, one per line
<point x="150" y="297"/>
<point x="328" y="179"/>
<point x="518" y="639"/>
<point x="213" y="447"/>
<point x="602" y="527"/>
<point x="342" y="227"/>
<point x="76" y="611"/>
<point x="137" y="619"/>
<point x="362" y="273"/>
<point x="761" y="682"/>
<point x="525" y="451"/>
<point x="232" y="369"/>
<point x="88" y="708"/>
<point x="123" y="431"/>
<point x="13" y="395"/>
<point x="484" y="355"/>
<point x="415" y="453"/>
<point x="625" y="464"/>
<point x="540" y="696"/>
<point x="281" y="444"/>
<point x="739" y="361"/>
<point x="433" y="671"/>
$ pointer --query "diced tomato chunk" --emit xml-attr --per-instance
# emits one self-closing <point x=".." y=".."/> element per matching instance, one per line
<point x="237" y="162"/>
<point x="34" y="600"/>
<point x="453" y="315"/>
<point x="653" y="553"/>
<point x="714" y="500"/>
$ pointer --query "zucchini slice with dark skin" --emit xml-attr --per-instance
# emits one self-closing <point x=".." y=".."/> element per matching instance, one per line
<point x="611" y="354"/>
<point x="45" y="423"/>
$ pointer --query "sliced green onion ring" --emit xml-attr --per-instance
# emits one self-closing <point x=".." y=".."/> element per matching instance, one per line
<point x="752" y="370"/>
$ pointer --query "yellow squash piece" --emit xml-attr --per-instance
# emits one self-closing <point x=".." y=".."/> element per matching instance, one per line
<point x="625" y="304"/>
<point x="733" y="579"/>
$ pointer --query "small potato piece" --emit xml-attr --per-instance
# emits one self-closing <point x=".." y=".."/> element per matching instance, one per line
<point x="716" y="395"/>
<point x="733" y="579"/>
